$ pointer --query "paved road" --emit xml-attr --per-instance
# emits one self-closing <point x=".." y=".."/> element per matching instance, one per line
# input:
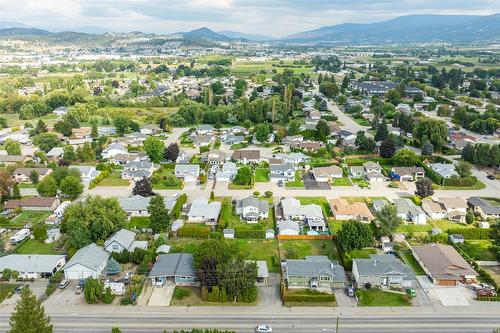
<point x="296" y="323"/>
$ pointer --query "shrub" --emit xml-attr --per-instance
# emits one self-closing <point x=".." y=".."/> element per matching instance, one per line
<point x="249" y="233"/>
<point x="107" y="297"/>
<point x="268" y="194"/>
<point x="308" y="296"/>
<point x="256" y="193"/>
<point x="104" y="174"/>
<point x="471" y="233"/>
<point x="176" y="211"/>
<point x="180" y="293"/>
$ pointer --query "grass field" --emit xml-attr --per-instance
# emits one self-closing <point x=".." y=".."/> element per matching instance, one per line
<point x="341" y="182"/>
<point x="323" y="202"/>
<point x="408" y="258"/>
<point x="479" y="249"/>
<point x="336" y="226"/>
<point x="377" y="297"/>
<point x="144" y="115"/>
<point x="298" y="249"/>
<point x="114" y="179"/>
<point x="262" y="175"/>
<point x="32" y="246"/>
<point x="163" y="174"/>
<point x="138" y="222"/>
<point x="444" y="225"/>
<point x="7" y="289"/>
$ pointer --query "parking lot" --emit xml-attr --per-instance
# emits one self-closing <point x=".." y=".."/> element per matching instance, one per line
<point x="311" y="184"/>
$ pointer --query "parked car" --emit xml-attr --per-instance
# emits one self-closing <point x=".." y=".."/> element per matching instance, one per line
<point x="78" y="290"/>
<point x="281" y="183"/>
<point x="349" y="291"/>
<point x="64" y="283"/>
<point x="491" y="177"/>
<point x="411" y="292"/>
<point x="263" y="329"/>
<point x="486" y="292"/>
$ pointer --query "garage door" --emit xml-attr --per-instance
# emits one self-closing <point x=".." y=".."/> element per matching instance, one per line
<point x="446" y="282"/>
<point x="72" y="275"/>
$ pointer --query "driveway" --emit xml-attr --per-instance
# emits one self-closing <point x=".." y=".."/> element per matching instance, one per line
<point x="161" y="296"/>
<point x="311" y="184"/>
<point x="343" y="300"/>
<point x="66" y="296"/>
<point x="447" y="296"/>
<point x="270" y="294"/>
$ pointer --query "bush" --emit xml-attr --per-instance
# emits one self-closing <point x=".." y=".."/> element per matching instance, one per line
<point x="308" y="296"/>
<point x="471" y="233"/>
<point x="176" y="211"/>
<point x="50" y="289"/>
<point x="194" y="231"/>
<point x="268" y="194"/>
<point x="256" y="193"/>
<point x="108" y="297"/>
<point x="180" y="293"/>
<point x="104" y="174"/>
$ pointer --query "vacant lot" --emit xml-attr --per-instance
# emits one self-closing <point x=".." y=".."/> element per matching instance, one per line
<point x="144" y="115"/>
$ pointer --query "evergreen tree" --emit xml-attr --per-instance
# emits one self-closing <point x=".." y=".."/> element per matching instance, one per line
<point x="95" y="131"/>
<point x="171" y="152"/>
<point x="29" y="315"/>
<point x="427" y="149"/>
<point x="387" y="148"/>
<point x="382" y="132"/>
<point x="158" y="214"/>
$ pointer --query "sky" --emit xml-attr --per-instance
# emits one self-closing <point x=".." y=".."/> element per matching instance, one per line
<point x="266" y="17"/>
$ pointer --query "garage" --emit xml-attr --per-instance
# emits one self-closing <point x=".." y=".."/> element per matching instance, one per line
<point x="89" y="261"/>
<point x="446" y="282"/>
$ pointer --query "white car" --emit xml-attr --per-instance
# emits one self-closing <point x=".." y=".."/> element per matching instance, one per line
<point x="263" y="329"/>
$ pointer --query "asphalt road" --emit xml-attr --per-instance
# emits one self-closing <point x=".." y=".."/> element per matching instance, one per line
<point x="283" y="324"/>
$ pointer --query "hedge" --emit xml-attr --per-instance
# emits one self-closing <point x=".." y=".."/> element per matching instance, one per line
<point x="176" y="211"/>
<point x="194" y="231"/>
<point x="247" y="234"/>
<point x="104" y="174"/>
<point x="471" y="233"/>
<point x="488" y="299"/>
<point x="437" y="179"/>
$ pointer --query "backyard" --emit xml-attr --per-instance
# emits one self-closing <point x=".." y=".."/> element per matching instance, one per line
<point x="479" y="249"/>
<point x="410" y="260"/>
<point x="25" y="217"/>
<point x="298" y="249"/>
<point x="32" y="246"/>
<point x="138" y="222"/>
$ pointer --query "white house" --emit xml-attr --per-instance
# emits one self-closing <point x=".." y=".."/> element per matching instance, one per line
<point x="114" y="149"/>
<point x="33" y="266"/>
<point x="188" y="172"/>
<point x="137" y="205"/>
<point x="252" y="209"/>
<point x="88" y="173"/>
<point x="409" y="212"/>
<point x="203" y="211"/>
<point x="227" y="173"/>
<point x="282" y="172"/>
<point x="89" y="261"/>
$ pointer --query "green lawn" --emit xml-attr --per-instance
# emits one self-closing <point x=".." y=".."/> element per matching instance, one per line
<point x="377" y="297"/>
<point x="187" y="245"/>
<point x="26" y="185"/>
<point x="262" y="175"/>
<point x="32" y="246"/>
<point x="260" y="250"/>
<point x="477" y="186"/>
<point x="322" y="201"/>
<point x="297" y="182"/>
<point x="138" y="222"/>
<point x="33" y="217"/>
<point x="7" y="289"/>
<point x="406" y="228"/>
<point x="361" y="182"/>
<point x="298" y="249"/>
<point x="165" y="179"/>
<point x="479" y="249"/>
<point x="335" y="226"/>
<point x="114" y="179"/>
<point x="362" y="253"/>
<point x="228" y="219"/>
<point x="408" y="259"/>
<point x="341" y="182"/>
<point x="444" y="225"/>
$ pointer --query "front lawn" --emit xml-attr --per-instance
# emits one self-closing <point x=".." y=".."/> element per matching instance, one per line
<point x="377" y="297"/>
<point x="297" y="181"/>
<point x="479" y="249"/>
<point x="32" y="246"/>
<point x="341" y="182"/>
<point x="6" y="290"/>
<point x="410" y="260"/>
<point x="321" y="201"/>
<point x="114" y="179"/>
<point x="308" y="297"/>
<point x="138" y="222"/>
<point x="298" y="249"/>
<point x="165" y="179"/>
<point x="262" y="175"/>
<point x="477" y="186"/>
<point x="228" y="218"/>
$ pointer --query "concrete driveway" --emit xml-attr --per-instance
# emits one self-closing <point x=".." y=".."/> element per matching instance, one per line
<point x="343" y="300"/>
<point x="66" y="296"/>
<point x="446" y="296"/>
<point x="311" y="184"/>
<point x="269" y="294"/>
<point x="161" y="296"/>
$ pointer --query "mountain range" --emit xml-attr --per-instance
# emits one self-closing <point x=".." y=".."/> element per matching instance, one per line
<point x="403" y="29"/>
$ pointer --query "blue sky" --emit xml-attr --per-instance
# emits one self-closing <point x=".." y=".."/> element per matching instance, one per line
<point x="267" y="17"/>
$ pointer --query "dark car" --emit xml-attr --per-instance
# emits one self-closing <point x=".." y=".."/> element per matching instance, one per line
<point x="491" y="177"/>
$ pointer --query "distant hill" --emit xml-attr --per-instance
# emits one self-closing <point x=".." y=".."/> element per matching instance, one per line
<point x="412" y="28"/>
<point x="203" y="34"/>
<point x="90" y="30"/>
<point x="12" y="24"/>
<point x="242" y="35"/>
<point x="24" y="32"/>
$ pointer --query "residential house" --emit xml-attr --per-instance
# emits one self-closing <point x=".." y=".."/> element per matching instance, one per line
<point x="356" y="171"/>
<point x="270" y="234"/>
<point x="231" y="139"/>
<point x="204" y="129"/>
<point x="252" y="209"/>
<point x="308" y="145"/>
<point x="88" y="173"/>
<point x="343" y="210"/>
<point x="122" y="240"/>
<point x="60" y="111"/>
<point x="114" y="149"/>
<point x="484" y="208"/>
<point x="14" y="159"/>
<point x="34" y="203"/>
<point x="443" y="264"/>
<point x="81" y="133"/>
<point x="203" y="211"/>
<point x="434" y="209"/>
<point x="244" y="156"/>
<point x="138" y="170"/>
<point x="204" y="140"/>
<point x="183" y="158"/>
<point x="227" y="173"/>
<point x="23" y="175"/>
<point x="383" y="271"/>
<point x="262" y="270"/>
<point x="136" y="138"/>
<point x="373" y="172"/>
<point x="213" y="157"/>
<point x="55" y="153"/>
<point x="407" y="173"/>
<point x="175" y="267"/>
<point x="106" y="130"/>
<point x="444" y="170"/>
<point x="282" y="172"/>
<point x="288" y="227"/>
<point x="150" y="129"/>
<point x="456" y="208"/>
<point x="378" y="204"/>
<point x="327" y="173"/>
<point x="188" y="172"/>
<point x="137" y="205"/>
<point x="292" y="139"/>
<point x="293" y="158"/>
<point x="456" y="239"/>
<point x="410" y="212"/>
<point x="89" y="261"/>
<point x="311" y="215"/>
<point x="314" y="272"/>
<point x="122" y="159"/>
<point x="33" y="266"/>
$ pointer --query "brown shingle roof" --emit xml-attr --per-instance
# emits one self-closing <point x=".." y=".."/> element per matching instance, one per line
<point x="30" y="202"/>
<point x="27" y="171"/>
<point x="248" y="154"/>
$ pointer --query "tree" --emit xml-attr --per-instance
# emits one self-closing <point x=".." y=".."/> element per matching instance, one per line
<point x="243" y="176"/>
<point x="172" y="152"/>
<point x="388" y="219"/>
<point x="387" y="148"/>
<point x="47" y="187"/>
<point x="16" y="193"/>
<point x="143" y="188"/>
<point x="427" y="149"/>
<point x="406" y="158"/>
<point x="116" y="330"/>
<point x="92" y="220"/>
<point x="322" y="130"/>
<point x="424" y="188"/>
<point x="71" y="187"/>
<point x="122" y="124"/>
<point x="329" y="89"/>
<point x="40" y="232"/>
<point x="69" y="153"/>
<point x="364" y="143"/>
<point x="464" y="169"/>
<point x="433" y="130"/>
<point x="86" y="153"/>
<point x="12" y="147"/>
<point x="94" y="134"/>
<point x="29" y="315"/>
<point x="237" y="278"/>
<point x="46" y="141"/>
<point x="34" y="176"/>
<point x="6" y="184"/>
<point x="469" y="216"/>
<point x="158" y="214"/>
<point x="93" y="290"/>
<point x="382" y="132"/>
<point x="355" y="235"/>
<point x="154" y="149"/>
<point x="262" y="133"/>
<point x="293" y="127"/>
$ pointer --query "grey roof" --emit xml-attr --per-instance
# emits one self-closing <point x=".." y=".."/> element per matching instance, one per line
<point x="314" y="266"/>
<point x="173" y="264"/>
<point x="293" y="207"/>
<point x="137" y="202"/>
<point x="281" y="167"/>
<point x="288" y="224"/>
<point x="201" y="207"/>
<point x="145" y="165"/>
<point x="486" y="206"/>
<point x="407" y="207"/>
<point x="262" y="205"/>
<point x="204" y="127"/>
<point x="37" y="263"/>
<point x="187" y="168"/>
<point x="383" y="265"/>
<point x="228" y="231"/>
<point x="90" y="256"/>
<point x="123" y="237"/>
<point x="176" y="225"/>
